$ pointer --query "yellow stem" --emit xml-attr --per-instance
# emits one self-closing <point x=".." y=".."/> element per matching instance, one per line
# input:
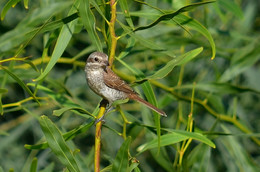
<point x="112" y="31"/>
<point x="22" y="101"/>
<point x="98" y="138"/>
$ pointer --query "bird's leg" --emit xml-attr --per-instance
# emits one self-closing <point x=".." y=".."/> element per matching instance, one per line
<point x="108" y="109"/>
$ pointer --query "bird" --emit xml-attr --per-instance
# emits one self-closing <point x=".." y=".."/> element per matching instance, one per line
<point x="105" y="83"/>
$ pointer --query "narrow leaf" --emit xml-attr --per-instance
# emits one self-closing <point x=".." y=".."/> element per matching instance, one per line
<point x="67" y="136"/>
<point x="33" y="167"/>
<point x="175" y="62"/>
<point x="231" y="6"/>
<point x="58" y="144"/>
<point x="124" y="7"/>
<point x="20" y="82"/>
<point x="88" y="20"/>
<point x="175" y="137"/>
<point x="241" y="65"/>
<point x="26" y="2"/>
<point x="172" y="14"/>
<point x="121" y="161"/>
<point x="196" y="136"/>
<point x="220" y="88"/>
<point x="167" y="139"/>
<point x="62" y="42"/>
<point x="78" y="109"/>
<point x="8" y="5"/>
<point x="195" y="25"/>
<point x="145" y="42"/>
<point x="3" y="90"/>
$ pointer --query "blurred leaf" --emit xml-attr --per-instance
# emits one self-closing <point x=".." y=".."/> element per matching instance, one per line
<point x="88" y="20"/>
<point x="231" y="6"/>
<point x="20" y="82"/>
<point x="93" y="2"/>
<point x="172" y="14"/>
<point x="58" y="144"/>
<point x="25" y="29"/>
<point x="221" y="88"/>
<point x="145" y="42"/>
<point x="199" y="158"/>
<point x="134" y="164"/>
<point x="237" y="153"/>
<point x="175" y="62"/>
<point x="26" y="2"/>
<point x="8" y="5"/>
<point x="129" y="47"/>
<point x="62" y="42"/>
<point x="48" y="168"/>
<point x="67" y="136"/>
<point x="121" y="161"/>
<point x="3" y="90"/>
<point x="33" y="167"/>
<point x="124" y="7"/>
<point x="240" y="66"/>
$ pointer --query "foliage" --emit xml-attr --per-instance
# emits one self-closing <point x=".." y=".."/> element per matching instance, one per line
<point x="198" y="61"/>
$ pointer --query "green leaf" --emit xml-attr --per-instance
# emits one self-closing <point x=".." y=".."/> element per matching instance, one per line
<point x="121" y="161"/>
<point x="8" y="5"/>
<point x="128" y="48"/>
<point x="67" y="136"/>
<point x="25" y="30"/>
<point x="78" y="109"/>
<point x="199" y="158"/>
<point x="166" y="140"/>
<point x="175" y="137"/>
<point x="48" y="168"/>
<point x="195" y="25"/>
<point x="62" y="42"/>
<point x="145" y="42"/>
<point x="240" y="65"/>
<point x="93" y="2"/>
<point x="26" y="2"/>
<point x="88" y="20"/>
<point x="231" y="6"/>
<point x="124" y="7"/>
<point x="220" y="88"/>
<point x="149" y="93"/>
<point x="172" y="14"/>
<point x="33" y="167"/>
<point x="196" y="136"/>
<point x="3" y="90"/>
<point x="175" y="62"/>
<point x="20" y="82"/>
<point x="58" y="144"/>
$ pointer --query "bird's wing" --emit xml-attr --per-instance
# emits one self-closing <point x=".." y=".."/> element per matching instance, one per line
<point x="115" y="82"/>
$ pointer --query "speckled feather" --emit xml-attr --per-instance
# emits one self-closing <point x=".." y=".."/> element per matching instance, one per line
<point x="104" y="82"/>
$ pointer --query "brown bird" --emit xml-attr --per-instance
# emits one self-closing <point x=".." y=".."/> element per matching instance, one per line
<point x="104" y="82"/>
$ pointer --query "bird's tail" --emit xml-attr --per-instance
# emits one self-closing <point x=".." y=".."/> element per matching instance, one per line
<point x="147" y="104"/>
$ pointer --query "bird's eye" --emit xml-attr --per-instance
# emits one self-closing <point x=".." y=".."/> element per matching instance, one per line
<point x="96" y="59"/>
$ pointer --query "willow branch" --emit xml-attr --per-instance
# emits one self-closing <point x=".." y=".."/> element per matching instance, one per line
<point x="114" y="38"/>
<point x="98" y="138"/>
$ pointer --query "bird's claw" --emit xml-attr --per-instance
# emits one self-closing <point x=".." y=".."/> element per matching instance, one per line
<point x="101" y="119"/>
